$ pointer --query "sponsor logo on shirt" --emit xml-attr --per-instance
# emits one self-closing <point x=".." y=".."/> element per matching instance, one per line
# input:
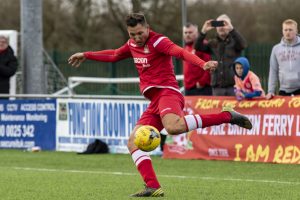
<point x="146" y="65"/>
<point x="140" y="60"/>
<point x="143" y="61"/>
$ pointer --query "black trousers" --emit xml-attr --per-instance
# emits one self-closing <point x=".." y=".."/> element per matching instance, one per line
<point x="205" y="91"/>
<point x="283" y="93"/>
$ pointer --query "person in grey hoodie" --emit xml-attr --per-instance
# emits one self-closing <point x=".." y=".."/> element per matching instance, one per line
<point x="285" y="62"/>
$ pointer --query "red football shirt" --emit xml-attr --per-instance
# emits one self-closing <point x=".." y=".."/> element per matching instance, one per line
<point x="153" y="61"/>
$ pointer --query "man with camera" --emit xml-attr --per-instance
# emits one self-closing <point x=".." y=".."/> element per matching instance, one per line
<point x="225" y="48"/>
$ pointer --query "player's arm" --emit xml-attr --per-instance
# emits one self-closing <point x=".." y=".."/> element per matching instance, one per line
<point x="168" y="47"/>
<point x="112" y="55"/>
<point x="205" y="78"/>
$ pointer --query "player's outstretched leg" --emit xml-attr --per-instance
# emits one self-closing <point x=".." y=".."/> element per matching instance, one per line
<point x="228" y="115"/>
<point x="238" y="118"/>
<point x="149" y="192"/>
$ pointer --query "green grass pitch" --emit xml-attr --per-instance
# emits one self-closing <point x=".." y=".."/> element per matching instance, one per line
<point x="67" y="176"/>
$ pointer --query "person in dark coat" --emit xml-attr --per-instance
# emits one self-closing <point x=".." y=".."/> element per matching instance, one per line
<point x="8" y="64"/>
<point x="225" y="47"/>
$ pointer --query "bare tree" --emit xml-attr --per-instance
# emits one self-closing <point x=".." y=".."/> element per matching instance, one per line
<point x="118" y="12"/>
<point x="98" y="24"/>
<point x="10" y="15"/>
<point x="136" y="5"/>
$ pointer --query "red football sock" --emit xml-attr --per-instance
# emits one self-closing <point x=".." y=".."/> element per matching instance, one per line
<point x="143" y="162"/>
<point x="215" y="119"/>
<point x="146" y="170"/>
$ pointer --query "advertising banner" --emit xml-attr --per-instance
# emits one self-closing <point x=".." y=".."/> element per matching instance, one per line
<point x="275" y="136"/>
<point x="27" y="123"/>
<point x="80" y="122"/>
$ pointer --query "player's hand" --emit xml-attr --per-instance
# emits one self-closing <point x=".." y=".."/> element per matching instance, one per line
<point x="207" y="26"/>
<point x="76" y="59"/>
<point x="269" y="96"/>
<point x="210" y="65"/>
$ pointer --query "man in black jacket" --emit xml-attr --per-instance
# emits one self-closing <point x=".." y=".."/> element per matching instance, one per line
<point x="225" y="48"/>
<point x="8" y="64"/>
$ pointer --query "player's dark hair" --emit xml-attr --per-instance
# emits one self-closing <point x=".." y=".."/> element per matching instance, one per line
<point x="135" y="18"/>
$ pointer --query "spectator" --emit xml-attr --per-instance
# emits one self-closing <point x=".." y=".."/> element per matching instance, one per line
<point x="247" y="84"/>
<point x="196" y="81"/>
<point x="285" y="62"/>
<point x="226" y="47"/>
<point x="8" y="65"/>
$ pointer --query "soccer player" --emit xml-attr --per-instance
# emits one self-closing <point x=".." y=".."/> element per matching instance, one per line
<point x="152" y="54"/>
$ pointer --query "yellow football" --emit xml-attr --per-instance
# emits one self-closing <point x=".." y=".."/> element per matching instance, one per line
<point x="147" y="138"/>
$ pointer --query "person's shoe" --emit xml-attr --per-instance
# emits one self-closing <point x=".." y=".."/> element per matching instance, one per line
<point x="149" y="192"/>
<point x="238" y="118"/>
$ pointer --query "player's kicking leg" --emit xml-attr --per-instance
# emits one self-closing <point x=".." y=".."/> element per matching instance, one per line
<point x="175" y="124"/>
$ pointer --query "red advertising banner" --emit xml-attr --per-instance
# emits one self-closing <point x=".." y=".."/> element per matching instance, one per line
<point x="275" y="136"/>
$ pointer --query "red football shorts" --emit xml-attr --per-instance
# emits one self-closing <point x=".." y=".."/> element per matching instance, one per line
<point x="163" y="101"/>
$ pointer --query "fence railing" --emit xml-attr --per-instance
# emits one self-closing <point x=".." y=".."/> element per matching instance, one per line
<point x="258" y="55"/>
<point x="76" y="81"/>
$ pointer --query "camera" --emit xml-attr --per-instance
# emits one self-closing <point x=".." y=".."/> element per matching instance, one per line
<point x="216" y="23"/>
